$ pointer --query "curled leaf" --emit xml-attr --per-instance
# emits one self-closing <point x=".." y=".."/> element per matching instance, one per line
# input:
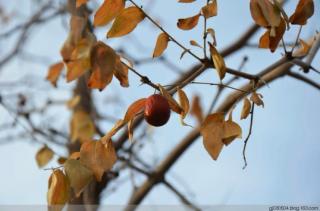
<point x="265" y="13"/>
<point x="134" y="109"/>
<point x="218" y="61"/>
<point x="271" y="42"/>
<point x="184" y="103"/>
<point x="161" y="44"/>
<point x="231" y="131"/>
<point x="121" y="72"/>
<point x="126" y="22"/>
<point x="194" y="43"/>
<point x="245" y="108"/>
<point x="188" y="23"/>
<point x="172" y="102"/>
<point x="256" y="98"/>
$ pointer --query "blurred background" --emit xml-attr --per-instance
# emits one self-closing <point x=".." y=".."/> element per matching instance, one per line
<point x="283" y="152"/>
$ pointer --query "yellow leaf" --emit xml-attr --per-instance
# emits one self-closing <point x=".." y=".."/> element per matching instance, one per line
<point x="172" y="102"/>
<point x="231" y="131"/>
<point x="58" y="190"/>
<point x="256" y="99"/>
<point x="103" y="59"/>
<point x="54" y="73"/>
<point x="303" y="12"/>
<point x="194" y="43"/>
<point x="81" y="126"/>
<point x="188" y="23"/>
<point x="186" y="1"/>
<point x="43" y="156"/>
<point x="246" y="108"/>
<point x="210" y="10"/>
<point x="121" y="72"/>
<point x="108" y="11"/>
<point x="161" y="44"/>
<point x="218" y="61"/>
<point x="79" y="3"/>
<point x="196" y="109"/>
<point x="78" y="175"/>
<point x="212" y="132"/>
<point x="126" y="22"/>
<point x="184" y="103"/>
<point x="98" y="157"/>
<point x="134" y="109"/>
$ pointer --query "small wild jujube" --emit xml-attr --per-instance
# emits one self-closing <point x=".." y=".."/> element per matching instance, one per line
<point x="157" y="110"/>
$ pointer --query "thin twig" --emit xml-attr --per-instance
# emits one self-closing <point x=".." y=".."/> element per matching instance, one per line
<point x="248" y="136"/>
<point x="219" y="85"/>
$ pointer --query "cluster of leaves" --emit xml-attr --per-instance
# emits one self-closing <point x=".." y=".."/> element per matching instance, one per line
<point x="271" y="16"/>
<point x="82" y="53"/>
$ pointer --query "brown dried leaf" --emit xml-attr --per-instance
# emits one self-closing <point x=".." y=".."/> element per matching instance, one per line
<point x="210" y="9"/>
<point x="134" y="109"/>
<point x="78" y="175"/>
<point x="188" y="23"/>
<point x="212" y="132"/>
<point x="81" y="126"/>
<point x="271" y="42"/>
<point x="218" y="61"/>
<point x="231" y="131"/>
<point x="161" y="44"/>
<point x="303" y="12"/>
<point x="43" y="156"/>
<point x="256" y="98"/>
<point x="75" y="155"/>
<point x="184" y="103"/>
<point x="196" y="109"/>
<point x="98" y="157"/>
<point x="73" y="102"/>
<point x="103" y="59"/>
<point x="108" y="11"/>
<point x="246" y="108"/>
<point x="119" y="124"/>
<point x="54" y="73"/>
<point x="58" y="190"/>
<point x="172" y="102"/>
<point x="303" y="50"/>
<point x="126" y="22"/>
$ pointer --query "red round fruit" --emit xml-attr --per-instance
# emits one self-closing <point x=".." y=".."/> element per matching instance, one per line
<point x="157" y="110"/>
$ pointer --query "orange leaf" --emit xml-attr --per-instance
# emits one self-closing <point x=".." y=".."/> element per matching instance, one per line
<point x="188" y="23"/>
<point x="303" y="12"/>
<point x="126" y="22"/>
<point x="108" y="11"/>
<point x="231" y="131"/>
<point x="161" y="44"/>
<point x="218" y="61"/>
<point x="54" y="73"/>
<point x="58" y="190"/>
<point x="103" y="59"/>
<point x="303" y="50"/>
<point x="210" y="10"/>
<point x="194" y="43"/>
<point x="98" y="157"/>
<point x="134" y="109"/>
<point x="196" y="109"/>
<point x="184" y="103"/>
